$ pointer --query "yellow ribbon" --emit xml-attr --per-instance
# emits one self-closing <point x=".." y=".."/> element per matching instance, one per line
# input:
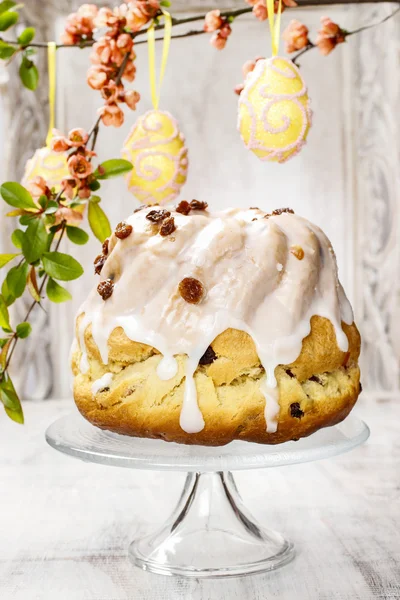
<point x="274" y="24"/>
<point x="51" y="61"/>
<point x="155" y="93"/>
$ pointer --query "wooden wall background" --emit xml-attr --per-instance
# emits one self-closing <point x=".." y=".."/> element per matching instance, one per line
<point x="346" y="180"/>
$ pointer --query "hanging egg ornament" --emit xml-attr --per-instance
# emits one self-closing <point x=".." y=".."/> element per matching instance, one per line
<point x="157" y="150"/>
<point x="50" y="165"/>
<point x="274" y="110"/>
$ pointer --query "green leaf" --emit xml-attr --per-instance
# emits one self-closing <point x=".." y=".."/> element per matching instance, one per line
<point x="77" y="235"/>
<point x="52" y="207"/>
<point x="12" y="404"/>
<point x="16" y="237"/>
<point x="29" y="74"/>
<point x="98" y="221"/>
<point x="8" y="19"/>
<point x="8" y="399"/>
<point x="6" y="5"/>
<point x="23" y="330"/>
<point x="5" y="258"/>
<point x="94" y="185"/>
<point x="165" y="3"/>
<point x="6" y="51"/>
<point x="16" y="279"/>
<point x="61" y="266"/>
<point x="5" y="348"/>
<point x="6" y="294"/>
<point x="26" y="36"/>
<point x="16" y="195"/>
<point x="26" y="219"/>
<point x="32" y="285"/>
<point x="56" y="292"/>
<point x="113" y="168"/>
<point x="35" y="239"/>
<point x="4" y="316"/>
<point x="43" y="201"/>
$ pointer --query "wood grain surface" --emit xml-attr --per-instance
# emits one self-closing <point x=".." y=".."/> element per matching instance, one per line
<point x="65" y="525"/>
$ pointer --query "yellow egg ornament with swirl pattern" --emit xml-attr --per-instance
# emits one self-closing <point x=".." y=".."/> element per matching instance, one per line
<point x="155" y="146"/>
<point x="274" y="108"/>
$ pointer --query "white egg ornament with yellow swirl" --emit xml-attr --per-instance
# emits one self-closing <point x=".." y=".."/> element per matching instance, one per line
<point x="50" y="165"/>
<point x="274" y="110"/>
<point x="157" y="150"/>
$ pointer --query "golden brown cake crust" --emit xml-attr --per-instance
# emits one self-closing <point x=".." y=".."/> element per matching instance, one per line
<point x="317" y="390"/>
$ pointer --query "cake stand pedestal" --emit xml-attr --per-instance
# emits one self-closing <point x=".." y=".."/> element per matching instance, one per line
<point x="210" y="533"/>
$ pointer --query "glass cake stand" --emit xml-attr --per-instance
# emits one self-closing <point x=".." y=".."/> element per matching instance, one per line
<point x="210" y="533"/>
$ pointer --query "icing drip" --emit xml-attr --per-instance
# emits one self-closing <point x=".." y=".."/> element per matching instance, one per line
<point x="252" y="283"/>
<point x="102" y="383"/>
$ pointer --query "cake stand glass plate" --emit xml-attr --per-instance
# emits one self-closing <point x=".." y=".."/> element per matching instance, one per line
<point x="210" y="533"/>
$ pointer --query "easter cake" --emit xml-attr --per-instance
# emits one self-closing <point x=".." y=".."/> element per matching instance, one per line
<point x="209" y="327"/>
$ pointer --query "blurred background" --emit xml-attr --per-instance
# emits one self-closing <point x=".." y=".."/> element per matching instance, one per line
<point x="346" y="179"/>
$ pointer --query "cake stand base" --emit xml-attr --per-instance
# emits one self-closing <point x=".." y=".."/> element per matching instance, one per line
<point x="211" y="534"/>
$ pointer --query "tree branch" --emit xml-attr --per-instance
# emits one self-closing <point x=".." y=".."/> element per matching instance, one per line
<point x="311" y="46"/>
<point x="229" y="13"/>
<point x="93" y="131"/>
<point x="15" y="338"/>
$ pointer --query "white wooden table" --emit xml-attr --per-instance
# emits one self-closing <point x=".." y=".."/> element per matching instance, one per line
<point x="65" y="525"/>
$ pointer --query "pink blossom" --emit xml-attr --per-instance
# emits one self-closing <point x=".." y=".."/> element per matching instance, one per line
<point x="295" y="36"/>
<point x="68" y="214"/>
<point x="238" y="89"/>
<point x="68" y="186"/>
<point x="329" y="36"/>
<point x="213" y="21"/>
<point x="88" y="10"/>
<point x="59" y="144"/>
<point x="84" y="192"/>
<point x="96" y="77"/>
<point x="130" y="72"/>
<point x="101" y="52"/>
<point x="150" y="8"/>
<point x="260" y="9"/>
<point x="79" y="26"/>
<point x="111" y="114"/>
<point x="77" y="137"/>
<point x="248" y="67"/>
<point x="111" y="92"/>
<point x="132" y="98"/>
<point x="79" y="167"/>
<point x="105" y="18"/>
<point x="37" y="187"/>
<point x="124" y="43"/>
<point x="68" y="39"/>
<point x="218" y="41"/>
<point x="225" y="30"/>
<point x="136" y="19"/>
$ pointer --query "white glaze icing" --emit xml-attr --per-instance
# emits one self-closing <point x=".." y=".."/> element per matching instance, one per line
<point x="103" y="382"/>
<point x="238" y="260"/>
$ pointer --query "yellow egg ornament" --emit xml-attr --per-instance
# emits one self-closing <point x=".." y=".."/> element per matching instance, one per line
<point x="274" y="110"/>
<point x="157" y="150"/>
<point x="50" y="165"/>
